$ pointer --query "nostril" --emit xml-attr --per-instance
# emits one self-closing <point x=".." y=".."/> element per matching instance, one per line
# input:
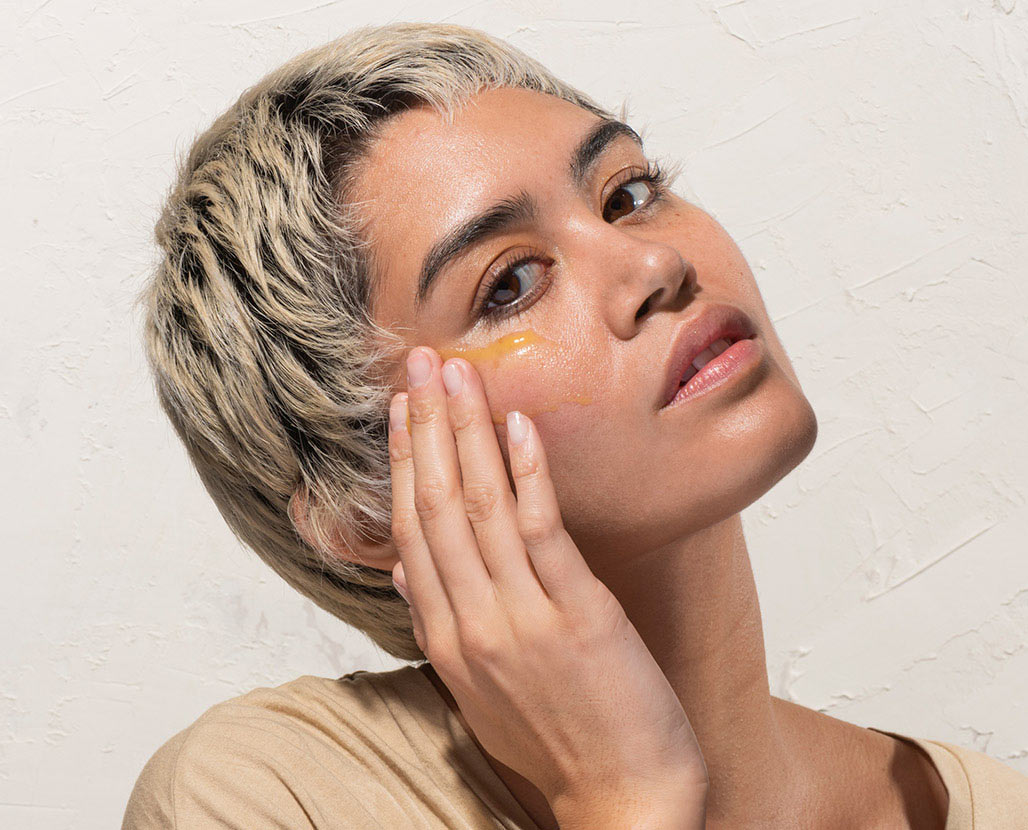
<point x="646" y="304"/>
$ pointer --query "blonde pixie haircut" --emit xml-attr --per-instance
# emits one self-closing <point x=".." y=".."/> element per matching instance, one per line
<point x="257" y="318"/>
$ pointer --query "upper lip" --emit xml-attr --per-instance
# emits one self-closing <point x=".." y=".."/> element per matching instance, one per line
<point x="695" y="334"/>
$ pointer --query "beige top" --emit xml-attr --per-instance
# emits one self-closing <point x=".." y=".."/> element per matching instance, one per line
<point x="384" y="750"/>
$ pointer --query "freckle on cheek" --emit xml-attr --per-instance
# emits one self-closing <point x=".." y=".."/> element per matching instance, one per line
<point x="531" y="400"/>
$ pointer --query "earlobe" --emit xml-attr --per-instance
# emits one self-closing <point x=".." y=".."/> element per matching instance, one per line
<point x="335" y="541"/>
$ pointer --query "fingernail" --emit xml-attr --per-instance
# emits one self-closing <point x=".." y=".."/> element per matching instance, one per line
<point x="419" y="367"/>
<point x="398" y="413"/>
<point x="452" y="379"/>
<point x="402" y="590"/>
<point x="517" y="427"/>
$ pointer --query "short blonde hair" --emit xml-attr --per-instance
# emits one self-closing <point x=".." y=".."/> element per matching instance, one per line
<point x="257" y="319"/>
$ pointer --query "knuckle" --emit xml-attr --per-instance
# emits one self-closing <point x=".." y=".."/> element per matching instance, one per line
<point x="462" y="420"/>
<point x="481" y="501"/>
<point x="399" y="451"/>
<point x="431" y="497"/>
<point x="476" y="642"/>
<point x="405" y="531"/>
<point x="526" y="467"/>
<point x="421" y="411"/>
<point x="595" y="614"/>
<point x="536" y="529"/>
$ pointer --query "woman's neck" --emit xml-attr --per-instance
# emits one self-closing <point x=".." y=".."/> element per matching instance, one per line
<point x="769" y="761"/>
<point x="695" y="605"/>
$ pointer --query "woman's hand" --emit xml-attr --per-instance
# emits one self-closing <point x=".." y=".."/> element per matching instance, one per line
<point x="549" y="673"/>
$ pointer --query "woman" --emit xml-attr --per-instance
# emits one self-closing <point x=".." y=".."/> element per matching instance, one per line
<point x="419" y="225"/>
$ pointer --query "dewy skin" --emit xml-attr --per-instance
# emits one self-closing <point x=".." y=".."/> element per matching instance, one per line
<point x="494" y="353"/>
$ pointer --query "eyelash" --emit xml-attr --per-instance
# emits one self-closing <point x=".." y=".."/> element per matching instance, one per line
<point x="654" y="174"/>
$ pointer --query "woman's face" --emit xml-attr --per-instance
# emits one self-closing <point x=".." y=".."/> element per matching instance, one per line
<point x="607" y="283"/>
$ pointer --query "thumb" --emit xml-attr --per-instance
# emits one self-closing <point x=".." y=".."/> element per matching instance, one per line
<point x="400" y="582"/>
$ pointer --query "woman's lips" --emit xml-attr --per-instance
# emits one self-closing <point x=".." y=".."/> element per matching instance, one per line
<point x="704" y="357"/>
<point x="741" y="356"/>
<point x="695" y="335"/>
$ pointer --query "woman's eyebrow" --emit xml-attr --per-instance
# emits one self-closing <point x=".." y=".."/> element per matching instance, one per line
<point x="515" y="210"/>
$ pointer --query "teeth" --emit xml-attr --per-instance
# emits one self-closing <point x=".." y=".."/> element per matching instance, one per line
<point x="703" y="358"/>
<point x="709" y="353"/>
<point x="719" y="346"/>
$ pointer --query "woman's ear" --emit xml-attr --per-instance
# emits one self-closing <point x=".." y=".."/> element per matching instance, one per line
<point x="338" y="541"/>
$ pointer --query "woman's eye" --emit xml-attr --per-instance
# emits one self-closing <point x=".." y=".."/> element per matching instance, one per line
<point x="628" y="197"/>
<point x="505" y="290"/>
<point x="503" y="296"/>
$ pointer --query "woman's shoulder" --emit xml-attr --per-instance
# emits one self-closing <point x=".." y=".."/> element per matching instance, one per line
<point x="308" y="711"/>
<point x="983" y="791"/>
<point x="368" y="749"/>
<point x="188" y="765"/>
<point x="241" y="761"/>
<point x="322" y="706"/>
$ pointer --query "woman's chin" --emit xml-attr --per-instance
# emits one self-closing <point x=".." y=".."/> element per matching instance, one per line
<point x="790" y="435"/>
<point x="756" y="460"/>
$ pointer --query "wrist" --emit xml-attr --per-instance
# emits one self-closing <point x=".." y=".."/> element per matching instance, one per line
<point x="680" y="810"/>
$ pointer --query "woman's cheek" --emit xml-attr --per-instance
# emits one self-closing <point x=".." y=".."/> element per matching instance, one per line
<point x="554" y="401"/>
<point x="529" y="372"/>
<point x="563" y="414"/>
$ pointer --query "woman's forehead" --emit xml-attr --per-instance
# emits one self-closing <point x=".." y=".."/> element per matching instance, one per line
<point x="420" y="161"/>
<point x="490" y="120"/>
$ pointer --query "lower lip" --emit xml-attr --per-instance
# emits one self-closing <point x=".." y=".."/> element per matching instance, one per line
<point x="731" y="364"/>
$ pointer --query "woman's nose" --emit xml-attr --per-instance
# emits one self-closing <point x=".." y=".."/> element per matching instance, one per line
<point x="643" y="277"/>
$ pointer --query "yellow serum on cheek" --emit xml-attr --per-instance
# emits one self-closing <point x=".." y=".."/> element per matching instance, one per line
<point x="515" y="344"/>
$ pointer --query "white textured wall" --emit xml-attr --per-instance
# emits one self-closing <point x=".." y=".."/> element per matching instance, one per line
<point x="871" y="157"/>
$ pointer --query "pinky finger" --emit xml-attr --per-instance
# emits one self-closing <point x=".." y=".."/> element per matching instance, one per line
<point x="558" y="563"/>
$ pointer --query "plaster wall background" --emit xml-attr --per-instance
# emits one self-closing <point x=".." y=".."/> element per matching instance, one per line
<point x="871" y="159"/>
